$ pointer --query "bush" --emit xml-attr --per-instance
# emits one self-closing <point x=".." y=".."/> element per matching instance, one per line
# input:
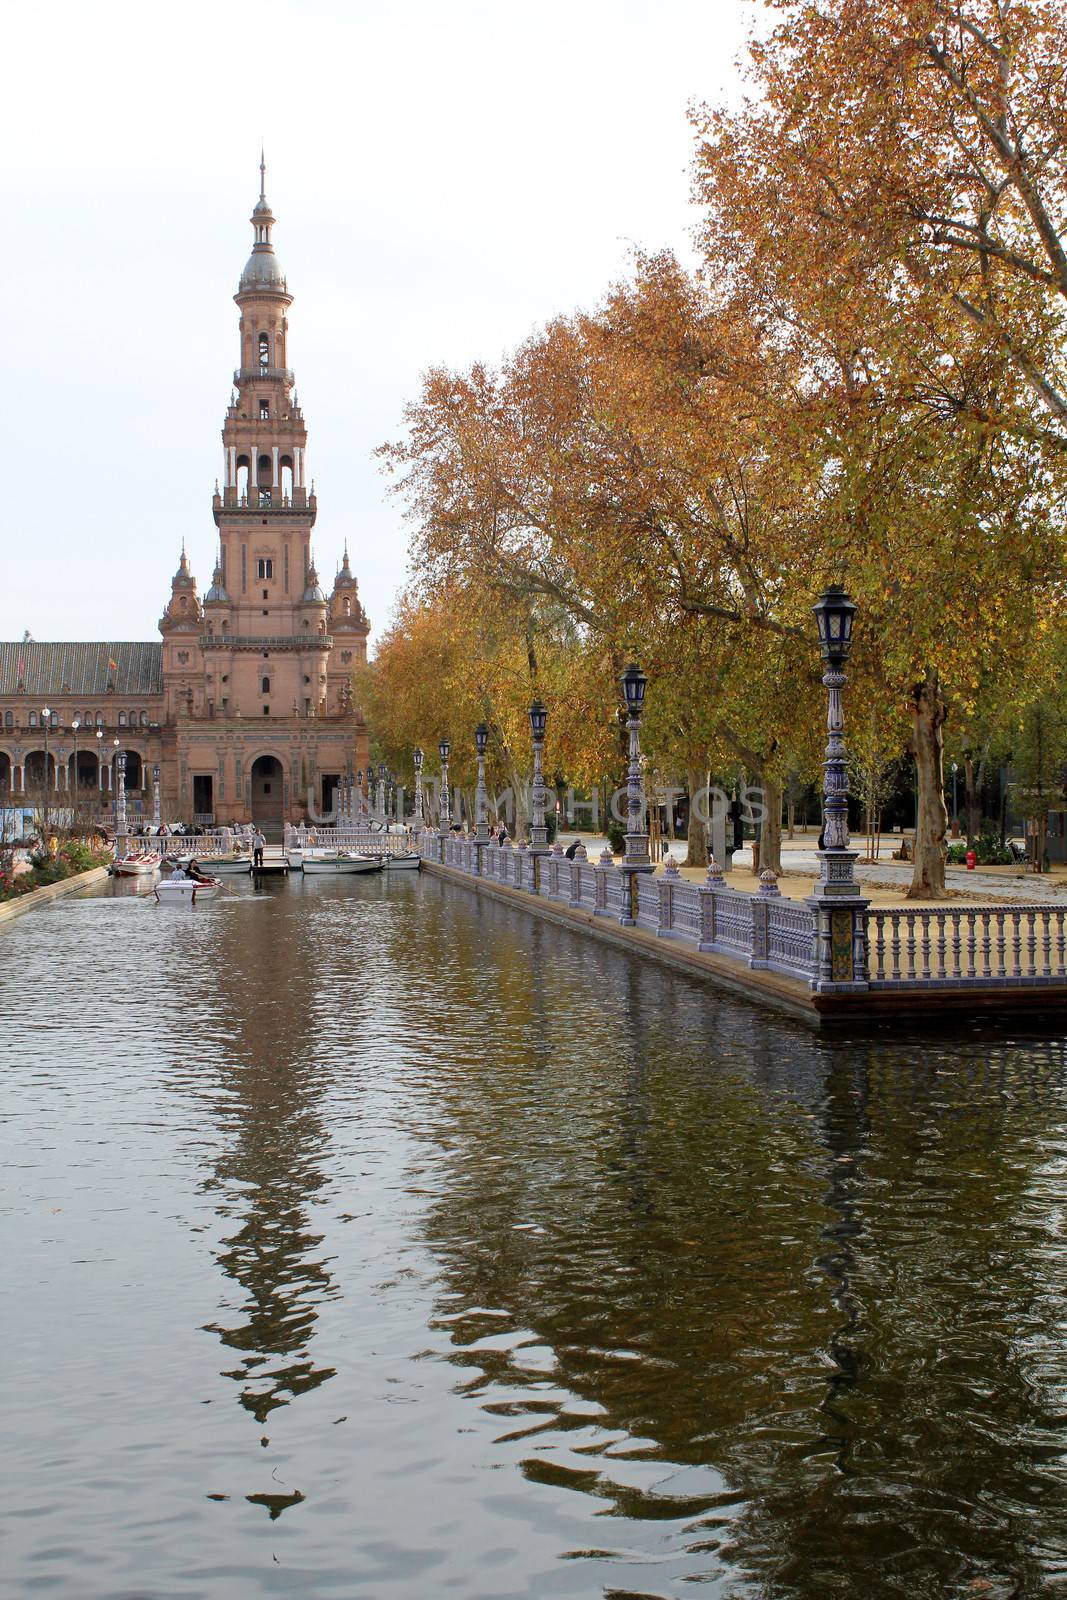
<point x="988" y="850"/>
<point x="616" y="838"/>
<point x="78" y="856"/>
<point x="550" y="826"/>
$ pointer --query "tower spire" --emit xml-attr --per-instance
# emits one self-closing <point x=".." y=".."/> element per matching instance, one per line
<point x="262" y="173"/>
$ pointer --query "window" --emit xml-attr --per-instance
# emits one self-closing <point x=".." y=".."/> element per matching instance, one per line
<point x="266" y="711"/>
<point x="264" y="687"/>
<point x="99" y="719"/>
<point x="122" y="719"/>
<point x="265" y="567"/>
<point x="33" y="719"/>
<point x="225" y="703"/>
<point x="144" y="719"/>
<point x="264" y="410"/>
<point x="266" y="596"/>
<point x="264" y="350"/>
<point x="54" y="719"/>
<point x="9" y="719"/>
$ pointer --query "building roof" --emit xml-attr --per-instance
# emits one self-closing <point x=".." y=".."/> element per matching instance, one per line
<point x="63" y="668"/>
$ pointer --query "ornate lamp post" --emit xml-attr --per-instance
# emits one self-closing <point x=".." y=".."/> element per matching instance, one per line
<point x="837" y="901"/>
<point x="359" y="792"/>
<point x="120" y="802"/>
<point x="636" y="858"/>
<point x="481" y="828"/>
<point x="955" y="808"/>
<point x="381" y="789"/>
<point x="444" y="812"/>
<point x="157" y="818"/>
<point x="538" y="831"/>
<point x="418" y="758"/>
<point x="46" y="715"/>
<point x="99" y="763"/>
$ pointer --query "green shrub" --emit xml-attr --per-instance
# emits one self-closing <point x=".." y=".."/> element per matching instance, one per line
<point x="987" y="849"/>
<point x="78" y="856"/>
<point x="616" y="838"/>
<point x="54" y="872"/>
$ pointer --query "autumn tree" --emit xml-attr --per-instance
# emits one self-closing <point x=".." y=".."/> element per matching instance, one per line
<point x="889" y="204"/>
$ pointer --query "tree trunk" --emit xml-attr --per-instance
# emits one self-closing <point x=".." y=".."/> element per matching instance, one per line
<point x="770" y="854"/>
<point x="520" y="788"/>
<point x="931" y="817"/>
<point x="697" y="853"/>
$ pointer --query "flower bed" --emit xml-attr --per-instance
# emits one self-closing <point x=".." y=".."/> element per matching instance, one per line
<point x="69" y="861"/>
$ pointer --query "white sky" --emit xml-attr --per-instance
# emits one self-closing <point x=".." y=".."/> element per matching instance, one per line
<point x="445" y="178"/>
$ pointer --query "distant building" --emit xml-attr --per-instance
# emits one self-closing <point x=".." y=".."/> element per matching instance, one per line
<point x="246" y="702"/>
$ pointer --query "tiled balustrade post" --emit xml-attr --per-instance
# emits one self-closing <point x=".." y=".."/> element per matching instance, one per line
<point x="605" y="864"/>
<point x="713" y="883"/>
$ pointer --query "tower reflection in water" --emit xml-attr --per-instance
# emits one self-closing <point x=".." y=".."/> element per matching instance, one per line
<point x="271" y="1174"/>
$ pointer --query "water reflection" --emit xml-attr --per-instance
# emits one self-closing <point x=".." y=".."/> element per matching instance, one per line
<point x="536" y="1270"/>
<point x="268" y="1105"/>
<point x="784" y="1300"/>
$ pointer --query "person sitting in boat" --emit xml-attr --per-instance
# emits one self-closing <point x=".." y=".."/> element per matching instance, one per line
<point x="178" y="871"/>
<point x="193" y="871"/>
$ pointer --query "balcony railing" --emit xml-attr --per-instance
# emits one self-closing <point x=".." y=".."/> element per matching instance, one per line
<point x="277" y="641"/>
<point x="253" y="374"/>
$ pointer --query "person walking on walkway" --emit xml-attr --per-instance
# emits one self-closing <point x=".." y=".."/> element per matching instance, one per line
<point x="258" y="846"/>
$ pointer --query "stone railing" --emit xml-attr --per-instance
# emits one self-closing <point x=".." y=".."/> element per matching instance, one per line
<point x="961" y="946"/>
<point x="366" y="841"/>
<point x="941" y="947"/>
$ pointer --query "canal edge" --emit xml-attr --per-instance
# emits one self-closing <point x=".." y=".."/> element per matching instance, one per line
<point x="49" y="892"/>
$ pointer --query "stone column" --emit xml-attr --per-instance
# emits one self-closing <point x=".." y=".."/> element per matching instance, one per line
<point x="120" y="803"/>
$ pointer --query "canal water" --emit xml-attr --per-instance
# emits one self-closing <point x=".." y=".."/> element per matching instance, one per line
<point x="367" y="1238"/>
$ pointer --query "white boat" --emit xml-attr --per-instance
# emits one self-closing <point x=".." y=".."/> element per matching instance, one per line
<point x="226" y="864"/>
<point x="185" y="891"/>
<point x="410" y="860"/>
<point x="338" y="861"/>
<point x="135" y="866"/>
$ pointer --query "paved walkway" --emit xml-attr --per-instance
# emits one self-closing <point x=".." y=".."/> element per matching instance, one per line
<point x="885" y="879"/>
<point x="1007" y="884"/>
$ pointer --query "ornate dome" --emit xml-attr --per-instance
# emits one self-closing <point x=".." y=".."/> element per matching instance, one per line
<point x="183" y="578"/>
<point x="313" y="595"/>
<point x="263" y="270"/>
<point x="217" y="595"/>
<point x="344" y="578"/>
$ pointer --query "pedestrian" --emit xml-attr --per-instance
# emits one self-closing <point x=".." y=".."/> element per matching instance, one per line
<point x="258" y="846"/>
<point x="572" y="849"/>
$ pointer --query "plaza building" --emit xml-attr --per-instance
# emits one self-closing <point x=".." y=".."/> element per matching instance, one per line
<point x="245" y="703"/>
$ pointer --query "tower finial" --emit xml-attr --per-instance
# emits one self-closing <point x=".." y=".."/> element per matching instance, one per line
<point x="262" y="172"/>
